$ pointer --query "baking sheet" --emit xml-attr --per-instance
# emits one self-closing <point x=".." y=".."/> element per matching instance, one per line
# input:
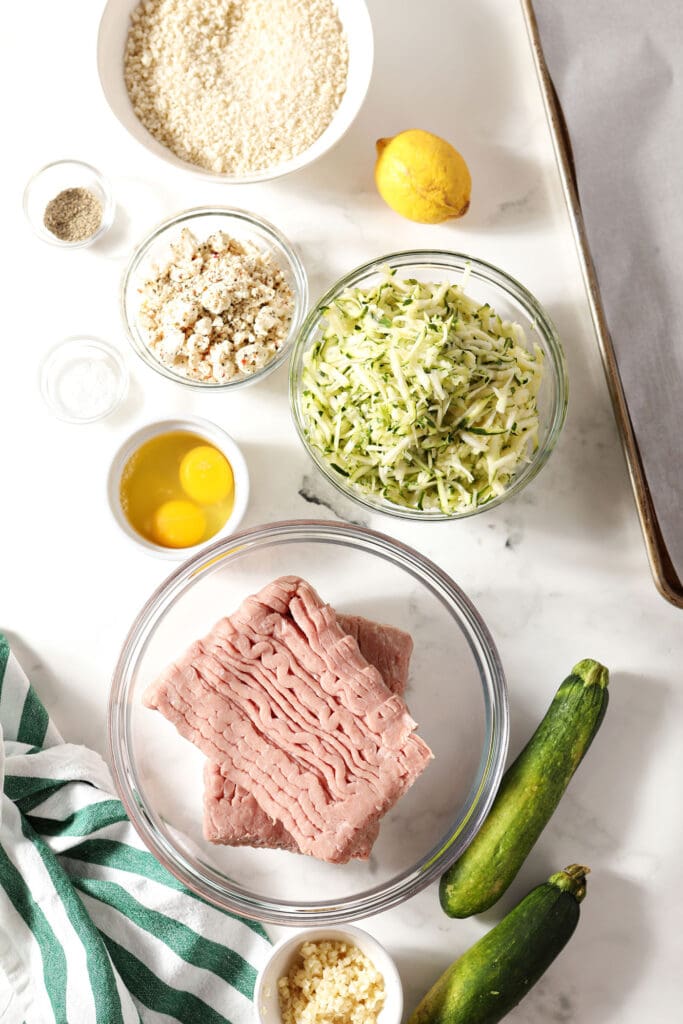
<point x="619" y="87"/>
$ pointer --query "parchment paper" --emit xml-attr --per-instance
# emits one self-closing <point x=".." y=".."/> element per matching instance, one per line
<point x="617" y="67"/>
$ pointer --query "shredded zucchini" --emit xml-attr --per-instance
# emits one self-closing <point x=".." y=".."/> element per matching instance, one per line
<point x="418" y="394"/>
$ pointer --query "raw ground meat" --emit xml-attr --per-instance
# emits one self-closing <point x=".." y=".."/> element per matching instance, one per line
<point x="231" y="814"/>
<point x="280" y="694"/>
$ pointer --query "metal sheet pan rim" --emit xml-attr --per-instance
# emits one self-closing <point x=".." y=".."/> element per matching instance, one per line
<point x="666" y="580"/>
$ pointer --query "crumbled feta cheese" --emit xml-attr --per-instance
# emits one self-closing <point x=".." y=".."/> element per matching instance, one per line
<point x="179" y="313"/>
<point x="265" y="320"/>
<point x="251" y="358"/>
<point x="172" y="343"/>
<point x="215" y="310"/>
<point x="216" y="299"/>
<point x="203" y="326"/>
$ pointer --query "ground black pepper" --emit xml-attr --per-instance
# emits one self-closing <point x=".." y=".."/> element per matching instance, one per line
<point x="73" y="215"/>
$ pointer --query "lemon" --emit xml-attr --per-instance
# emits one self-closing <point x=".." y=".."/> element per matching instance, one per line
<point x="206" y="475"/>
<point x="179" y="524"/>
<point x="422" y="177"/>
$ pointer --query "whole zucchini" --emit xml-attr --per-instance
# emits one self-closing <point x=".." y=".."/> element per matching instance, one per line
<point x="498" y="971"/>
<point x="529" y="793"/>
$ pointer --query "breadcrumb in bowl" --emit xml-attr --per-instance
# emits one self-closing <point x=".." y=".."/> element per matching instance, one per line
<point x="225" y="165"/>
<point x="329" y="974"/>
<point x="236" y="86"/>
<point x="213" y="298"/>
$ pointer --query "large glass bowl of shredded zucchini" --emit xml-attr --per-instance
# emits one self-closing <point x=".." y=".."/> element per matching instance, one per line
<point x="428" y="385"/>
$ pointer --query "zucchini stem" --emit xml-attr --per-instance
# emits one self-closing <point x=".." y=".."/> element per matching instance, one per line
<point x="572" y="880"/>
<point x="591" y="673"/>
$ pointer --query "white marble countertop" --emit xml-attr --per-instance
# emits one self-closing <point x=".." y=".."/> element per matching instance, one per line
<point x="558" y="574"/>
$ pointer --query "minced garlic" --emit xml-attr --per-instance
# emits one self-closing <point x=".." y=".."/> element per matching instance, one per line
<point x="331" y="982"/>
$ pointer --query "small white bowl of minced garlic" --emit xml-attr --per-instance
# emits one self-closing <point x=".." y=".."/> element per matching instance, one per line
<point x="323" y="974"/>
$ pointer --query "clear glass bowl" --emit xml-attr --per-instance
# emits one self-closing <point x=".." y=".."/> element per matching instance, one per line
<point x="456" y="692"/>
<point x="49" y="181"/>
<point x="82" y="379"/>
<point x="204" y="221"/>
<point x="486" y="283"/>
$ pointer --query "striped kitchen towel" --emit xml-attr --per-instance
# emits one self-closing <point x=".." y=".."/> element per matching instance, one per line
<point x="92" y="929"/>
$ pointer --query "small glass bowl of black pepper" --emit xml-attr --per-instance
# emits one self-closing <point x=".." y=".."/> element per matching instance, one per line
<point x="69" y="203"/>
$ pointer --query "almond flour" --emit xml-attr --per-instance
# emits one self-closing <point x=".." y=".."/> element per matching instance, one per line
<point x="235" y="86"/>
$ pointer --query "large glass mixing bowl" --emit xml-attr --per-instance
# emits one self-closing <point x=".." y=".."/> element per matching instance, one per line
<point x="456" y="692"/>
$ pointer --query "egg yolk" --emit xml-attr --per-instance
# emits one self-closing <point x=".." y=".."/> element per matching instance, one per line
<point x="179" y="524"/>
<point x="206" y="475"/>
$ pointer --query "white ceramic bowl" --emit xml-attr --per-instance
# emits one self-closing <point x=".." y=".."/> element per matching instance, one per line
<point x="215" y="436"/>
<point x="111" y="43"/>
<point x="283" y="954"/>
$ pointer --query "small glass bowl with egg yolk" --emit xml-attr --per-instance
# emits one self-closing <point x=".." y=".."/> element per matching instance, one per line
<point x="176" y="484"/>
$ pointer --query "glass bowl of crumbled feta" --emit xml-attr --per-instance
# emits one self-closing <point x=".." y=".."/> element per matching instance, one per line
<point x="428" y="385"/>
<point x="213" y="298"/>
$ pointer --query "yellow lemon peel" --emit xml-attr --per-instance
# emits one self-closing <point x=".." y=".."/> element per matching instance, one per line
<point x="422" y="177"/>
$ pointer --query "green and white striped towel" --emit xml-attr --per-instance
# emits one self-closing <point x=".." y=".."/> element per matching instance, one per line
<point x="92" y="929"/>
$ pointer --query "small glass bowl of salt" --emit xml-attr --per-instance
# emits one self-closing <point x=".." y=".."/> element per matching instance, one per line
<point x="83" y="380"/>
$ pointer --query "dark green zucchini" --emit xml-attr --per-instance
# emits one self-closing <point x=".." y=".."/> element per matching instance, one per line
<point x="498" y="971"/>
<point x="529" y="793"/>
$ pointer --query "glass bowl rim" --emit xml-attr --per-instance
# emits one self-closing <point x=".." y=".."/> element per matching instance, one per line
<point x="480" y="797"/>
<point x="83" y="340"/>
<point x="107" y="211"/>
<point x="456" y="261"/>
<point x="295" y="266"/>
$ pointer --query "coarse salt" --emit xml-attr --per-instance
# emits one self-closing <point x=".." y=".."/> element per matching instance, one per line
<point x="87" y="388"/>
